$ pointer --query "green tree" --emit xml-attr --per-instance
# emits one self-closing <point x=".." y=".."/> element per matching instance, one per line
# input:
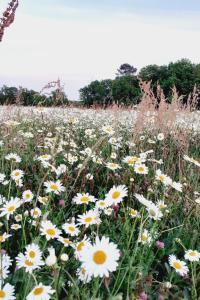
<point x="8" y="95"/>
<point x="97" y="92"/>
<point x="125" y="90"/>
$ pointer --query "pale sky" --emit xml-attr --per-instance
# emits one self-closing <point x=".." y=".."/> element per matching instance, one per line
<point x="84" y="40"/>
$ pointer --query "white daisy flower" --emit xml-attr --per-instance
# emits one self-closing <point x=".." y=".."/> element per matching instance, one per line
<point x="36" y="212"/>
<point x="17" y="174"/>
<point x="44" y="157"/>
<point x="27" y="196"/>
<point x="79" y="246"/>
<point x="113" y="166"/>
<point x="116" y="194"/>
<point x="131" y="160"/>
<point x="43" y="200"/>
<point x="192" y="255"/>
<point x="100" y="258"/>
<point x="166" y="180"/>
<point x="83" y="275"/>
<point x="177" y="186"/>
<point x="141" y="169"/>
<point x="54" y="186"/>
<point x="133" y="213"/>
<point x="49" y="230"/>
<point x="13" y="157"/>
<point x="24" y="262"/>
<point x="65" y="241"/>
<point x="84" y="198"/>
<point x="102" y="204"/>
<point x="179" y="266"/>
<point x="4" y="237"/>
<point x="154" y="212"/>
<point x="71" y="228"/>
<point x="33" y="253"/>
<point x="41" y="292"/>
<point x="192" y="160"/>
<point x="145" y="237"/>
<point x="89" y="218"/>
<point x="10" y="207"/>
<point x="16" y="226"/>
<point x="7" y="292"/>
<point x="5" y="263"/>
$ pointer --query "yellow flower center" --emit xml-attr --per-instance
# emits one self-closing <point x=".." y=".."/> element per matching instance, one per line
<point x="84" y="199"/>
<point x="51" y="231"/>
<point x="38" y="291"/>
<point x="132" y="160"/>
<point x="66" y="241"/>
<point x="2" y="294"/>
<point x="144" y="237"/>
<point x="133" y="212"/>
<point x="152" y="212"/>
<point x="1" y="238"/>
<point x="54" y="186"/>
<point x="27" y="196"/>
<point x="115" y="195"/>
<point x="11" y="208"/>
<point x="28" y="263"/>
<point x="83" y="271"/>
<point x="32" y="254"/>
<point x="141" y="169"/>
<point x="99" y="257"/>
<point x="88" y="219"/>
<point x="17" y="173"/>
<point x="35" y="213"/>
<point x="113" y="166"/>
<point x="161" y="177"/>
<point x="80" y="246"/>
<point x="177" y="265"/>
<point x="71" y="228"/>
<point x="192" y="253"/>
<point x="162" y="205"/>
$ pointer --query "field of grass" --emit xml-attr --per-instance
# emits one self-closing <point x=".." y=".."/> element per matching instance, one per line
<point x="93" y="206"/>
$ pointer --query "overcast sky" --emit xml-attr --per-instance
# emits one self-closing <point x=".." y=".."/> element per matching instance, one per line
<point x="83" y="40"/>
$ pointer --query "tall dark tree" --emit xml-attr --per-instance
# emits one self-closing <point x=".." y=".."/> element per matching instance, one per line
<point x="126" y="70"/>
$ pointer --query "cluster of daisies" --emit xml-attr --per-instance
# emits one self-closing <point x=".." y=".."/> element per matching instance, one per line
<point x="27" y="212"/>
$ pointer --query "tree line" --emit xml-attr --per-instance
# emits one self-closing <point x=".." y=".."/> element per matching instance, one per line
<point x="29" y="97"/>
<point x="125" y="88"/>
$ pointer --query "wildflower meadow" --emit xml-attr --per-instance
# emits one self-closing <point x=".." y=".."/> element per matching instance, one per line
<point x="93" y="207"/>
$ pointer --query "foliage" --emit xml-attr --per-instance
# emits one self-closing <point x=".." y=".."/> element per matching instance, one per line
<point x="26" y="97"/>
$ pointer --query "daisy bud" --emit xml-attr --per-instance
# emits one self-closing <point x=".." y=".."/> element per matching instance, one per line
<point x="26" y="213"/>
<point x="168" y="285"/>
<point x="51" y="259"/>
<point x="64" y="257"/>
